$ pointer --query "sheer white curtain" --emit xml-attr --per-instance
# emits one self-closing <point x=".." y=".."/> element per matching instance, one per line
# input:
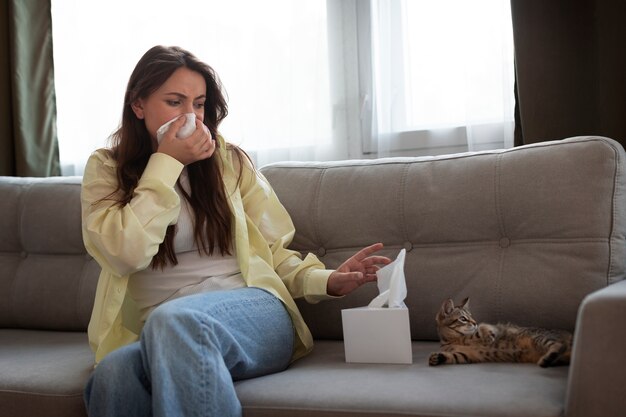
<point x="306" y="80"/>
<point x="442" y="76"/>
<point x="272" y="57"/>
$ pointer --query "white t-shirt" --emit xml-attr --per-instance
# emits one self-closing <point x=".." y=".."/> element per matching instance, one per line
<point x="195" y="272"/>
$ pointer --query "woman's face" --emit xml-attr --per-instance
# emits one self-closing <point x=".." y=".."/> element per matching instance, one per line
<point x="184" y="92"/>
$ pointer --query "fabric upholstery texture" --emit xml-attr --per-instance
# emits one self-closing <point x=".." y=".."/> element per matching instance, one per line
<point x="43" y="372"/>
<point x="534" y="235"/>
<point x="526" y="233"/>
<point x="47" y="280"/>
<point x="323" y="384"/>
<point x="598" y="355"/>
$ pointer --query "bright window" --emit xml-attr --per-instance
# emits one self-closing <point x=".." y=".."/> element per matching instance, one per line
<point x="307" y="79"/>
<point x="455" y="49"/>
<point x="270" y="55"/>
<point x="442" y="75"/>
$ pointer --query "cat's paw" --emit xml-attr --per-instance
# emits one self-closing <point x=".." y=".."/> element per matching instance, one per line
<point x="551" y="358"/>
<point x="436" y="359"/>
<point x="487" y="334"/>
<point x="548" y="359"/>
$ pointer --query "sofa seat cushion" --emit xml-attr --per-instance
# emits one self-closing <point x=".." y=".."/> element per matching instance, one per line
<point x="43" y="372"/>
<point x="323" y="384"/>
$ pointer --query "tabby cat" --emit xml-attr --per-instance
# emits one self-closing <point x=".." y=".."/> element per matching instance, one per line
<point x="464" y="341"/>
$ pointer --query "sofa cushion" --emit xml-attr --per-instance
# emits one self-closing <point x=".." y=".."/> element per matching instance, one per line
<point x="526" y="232"/>
<point x="47" y="280"/>
<point x="43" y="372"/>
<point x="323" y="384"/>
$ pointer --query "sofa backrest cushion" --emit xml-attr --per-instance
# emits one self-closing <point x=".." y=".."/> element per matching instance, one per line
<point x="526" y="233"/>
<point x="47" y="279"/>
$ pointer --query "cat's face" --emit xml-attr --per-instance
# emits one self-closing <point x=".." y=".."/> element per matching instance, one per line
<point x="455" y="321"/>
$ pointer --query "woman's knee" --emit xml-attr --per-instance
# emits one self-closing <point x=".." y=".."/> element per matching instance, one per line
<point x="173" y="326"/>
<point x="166" y="319"/>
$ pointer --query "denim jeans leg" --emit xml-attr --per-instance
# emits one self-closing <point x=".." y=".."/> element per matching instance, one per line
<point x="118" y="386"/>
<point x="190" y="351"/>
<point x="194" y="347"/>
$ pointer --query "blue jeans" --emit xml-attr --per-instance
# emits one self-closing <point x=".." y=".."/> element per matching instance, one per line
<point x="190" y="351"/>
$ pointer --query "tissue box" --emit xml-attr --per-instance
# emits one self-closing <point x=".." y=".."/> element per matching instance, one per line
<point x="377" y="335"/>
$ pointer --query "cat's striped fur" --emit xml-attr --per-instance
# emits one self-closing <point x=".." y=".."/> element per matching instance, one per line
<point x="465" y="341"/>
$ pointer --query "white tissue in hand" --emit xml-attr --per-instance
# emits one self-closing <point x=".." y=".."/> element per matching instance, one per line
<point x="185" y="130"/>
<point x="391" y="284"/>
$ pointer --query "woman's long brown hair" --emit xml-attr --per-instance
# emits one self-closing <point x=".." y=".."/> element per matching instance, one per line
<point x="132" y="147"/>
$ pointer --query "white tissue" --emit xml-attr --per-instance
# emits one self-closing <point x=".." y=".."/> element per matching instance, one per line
<point x="391" y="284"/>
<point x="185" y="130"/>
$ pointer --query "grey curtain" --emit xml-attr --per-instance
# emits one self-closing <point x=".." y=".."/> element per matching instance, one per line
<point x="570" y="69"/>
<point x="28" y="138"/>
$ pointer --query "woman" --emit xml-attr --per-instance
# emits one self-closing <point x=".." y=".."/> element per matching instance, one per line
<point x="192" y="242"/>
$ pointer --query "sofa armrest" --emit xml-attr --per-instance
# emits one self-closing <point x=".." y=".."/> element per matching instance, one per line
<point x="597" y="375"/>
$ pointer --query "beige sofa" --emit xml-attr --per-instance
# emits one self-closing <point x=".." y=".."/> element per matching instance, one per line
<point x="534" y="235"/>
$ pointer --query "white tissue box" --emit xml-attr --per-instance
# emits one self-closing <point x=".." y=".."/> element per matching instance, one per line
<point x="377" y="335"/>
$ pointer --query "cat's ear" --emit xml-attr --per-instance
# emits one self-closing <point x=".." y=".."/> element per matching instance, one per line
<point x="447" y="307"/>
<point x="465" y="303"/>
<point x="444" y="310"/>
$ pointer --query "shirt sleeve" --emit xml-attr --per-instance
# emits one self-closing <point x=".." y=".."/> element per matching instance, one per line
<point x="304" y="277"/>
<point x="124" y="238"/>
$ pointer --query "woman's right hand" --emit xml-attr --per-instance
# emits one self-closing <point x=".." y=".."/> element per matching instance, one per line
<point x="199" y="145"/>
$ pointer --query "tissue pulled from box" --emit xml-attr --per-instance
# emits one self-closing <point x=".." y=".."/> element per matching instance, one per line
<point x="391" y="284"/>
<point x="184" y="131"/>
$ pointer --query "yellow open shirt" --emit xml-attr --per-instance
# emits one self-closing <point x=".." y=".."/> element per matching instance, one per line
<point x="123" y="240"/>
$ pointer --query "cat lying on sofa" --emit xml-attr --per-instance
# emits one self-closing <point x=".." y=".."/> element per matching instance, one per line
<point x="465" y="341"/>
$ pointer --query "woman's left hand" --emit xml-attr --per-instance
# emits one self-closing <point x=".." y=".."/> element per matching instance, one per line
<point x="356" y="271"/>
